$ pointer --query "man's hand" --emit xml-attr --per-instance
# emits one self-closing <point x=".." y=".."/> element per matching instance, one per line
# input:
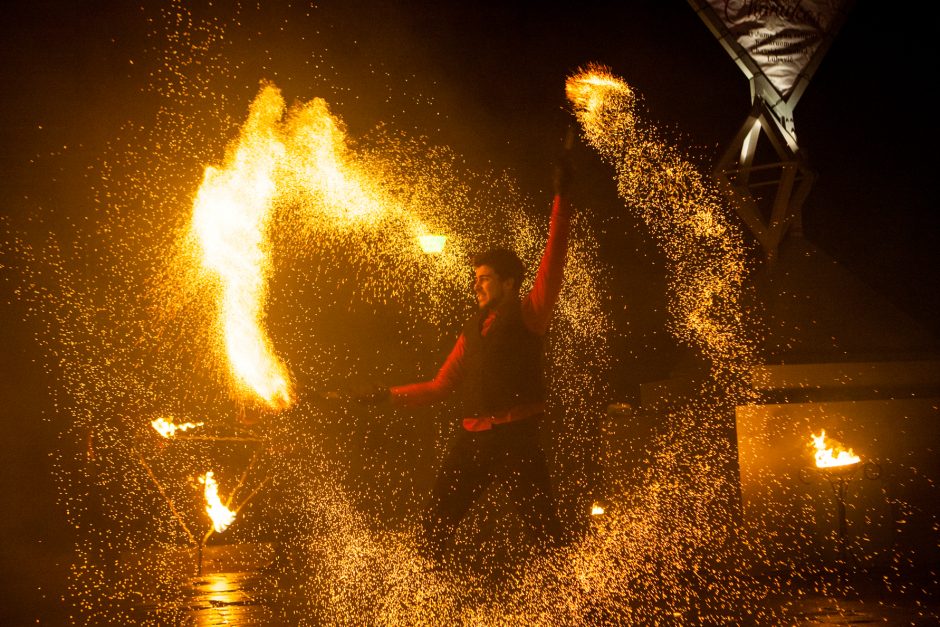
<point x="561" y="177"/>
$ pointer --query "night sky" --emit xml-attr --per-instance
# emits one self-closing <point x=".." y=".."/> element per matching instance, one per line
<point x="74" y="73"/>
<point x="497" y="72"/>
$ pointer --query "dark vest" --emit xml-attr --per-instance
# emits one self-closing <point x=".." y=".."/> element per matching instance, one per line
<point x="504" y="368"/>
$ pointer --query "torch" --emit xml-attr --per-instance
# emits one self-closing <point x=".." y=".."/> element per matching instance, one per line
<point x="838" y="466"/>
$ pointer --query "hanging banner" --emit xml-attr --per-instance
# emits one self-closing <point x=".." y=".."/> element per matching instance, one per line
<point x="780" y="36"/>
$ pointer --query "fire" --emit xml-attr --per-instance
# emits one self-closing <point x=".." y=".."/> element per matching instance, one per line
<point x="230" y="213"/>
<point x="833" y="454"/>
<point x="296" y="157"/>
<point x="167" y="429"/>
<point x="597" y="510"/>
<point x="220" y="515"/>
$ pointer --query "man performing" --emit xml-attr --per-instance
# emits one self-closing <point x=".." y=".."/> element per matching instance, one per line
<point x="497" y="360"/>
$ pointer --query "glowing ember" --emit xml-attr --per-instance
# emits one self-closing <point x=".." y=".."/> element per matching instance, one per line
<point x="220" y="515"/>
<point x="432" y="244"/>
<point x="597" y="510"/>
<point x="830" y="453"/>
<point x="168" y="429"/>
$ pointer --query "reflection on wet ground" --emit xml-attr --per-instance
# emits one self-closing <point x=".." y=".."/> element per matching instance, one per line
<point x="227" y="585"/>
<point x="238" y="585"/>
<point x="225" y="599"/>
<point x="213" y="599"/>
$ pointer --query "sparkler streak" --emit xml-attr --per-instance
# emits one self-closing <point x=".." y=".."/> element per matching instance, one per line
<point x="679" y="519"/>
<point x="230" y="213"/>
<point x="684" y="214"/>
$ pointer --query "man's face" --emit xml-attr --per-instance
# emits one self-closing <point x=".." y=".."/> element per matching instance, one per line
<point x="491" y="290"/>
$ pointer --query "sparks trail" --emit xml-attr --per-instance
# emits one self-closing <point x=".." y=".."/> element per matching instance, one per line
<point x="687" y="502"/>
<point x="684" y="213"/>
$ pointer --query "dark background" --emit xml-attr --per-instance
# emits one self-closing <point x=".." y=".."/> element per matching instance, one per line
<point x="496" y="72"/>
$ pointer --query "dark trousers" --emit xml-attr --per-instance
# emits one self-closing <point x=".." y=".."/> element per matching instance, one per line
<point x="510" y="453"/>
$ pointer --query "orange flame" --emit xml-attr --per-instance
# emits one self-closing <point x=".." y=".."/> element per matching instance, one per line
<point x="830" y="453"/>
<point x="167" y="429"/>
<point x="220" y="515"/>
<point x="230" y="212"/>
<point x="297" y="156"/>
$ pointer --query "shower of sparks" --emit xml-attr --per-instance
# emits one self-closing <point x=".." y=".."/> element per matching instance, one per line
<point x="830" y="453"/>
<point x="229" y="218"/>
<point x="220" y="515"/>
<point x="682" y="209"/>
<point x="336" y="240"/>
<point x="300" y="247"/>
<point x="168" y="429"/>
<point x="323" y="233"/>
<point x="680" y="519"/>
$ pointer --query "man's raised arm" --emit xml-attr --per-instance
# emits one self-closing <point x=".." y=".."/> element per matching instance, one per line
<point x="538" y="304"/>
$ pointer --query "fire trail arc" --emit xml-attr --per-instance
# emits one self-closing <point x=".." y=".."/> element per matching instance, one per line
<point x="281" y="155"/>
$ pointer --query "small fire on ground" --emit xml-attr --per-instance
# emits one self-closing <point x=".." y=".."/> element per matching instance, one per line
<point x="219" y="513"/>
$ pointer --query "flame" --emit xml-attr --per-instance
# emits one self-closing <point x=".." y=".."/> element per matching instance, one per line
<point x="167" y="429"/>
<point x="220" y="515"/>
<point x="597" y="510"/>
<point x="230" y="213"/>
<point x="833" y="454"/>
<point x="295" y="157"/>
<point x="432" y="244"/>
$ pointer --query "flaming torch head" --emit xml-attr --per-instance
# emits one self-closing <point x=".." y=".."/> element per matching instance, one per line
<point x="432" y="244"/>
<point x="589" y="89"/>
<point x="603" y="104"/>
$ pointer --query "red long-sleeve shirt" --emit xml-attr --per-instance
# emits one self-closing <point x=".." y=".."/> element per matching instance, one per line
<point x="536" y="313"/>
